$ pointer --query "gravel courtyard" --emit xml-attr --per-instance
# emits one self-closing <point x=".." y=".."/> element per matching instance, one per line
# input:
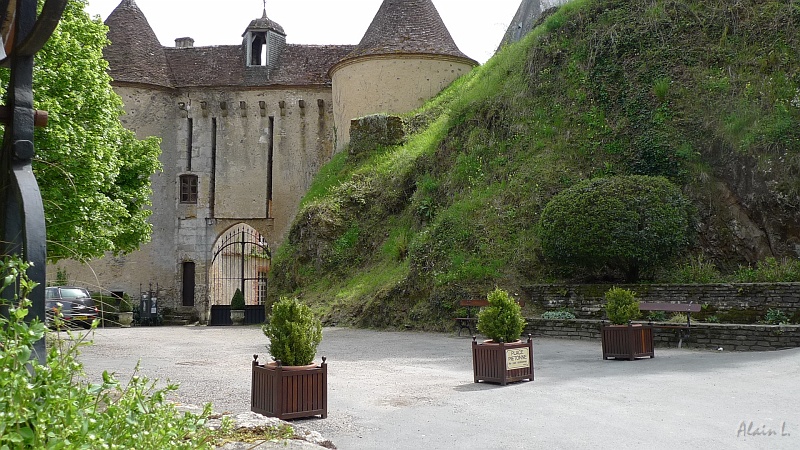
<point x="408" y="390"/>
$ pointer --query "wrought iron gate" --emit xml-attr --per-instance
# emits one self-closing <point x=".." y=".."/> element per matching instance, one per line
<point x="241" y="260"/>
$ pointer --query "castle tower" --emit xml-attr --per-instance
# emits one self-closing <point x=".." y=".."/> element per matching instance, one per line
<point x="135" y="54"/>
<point x="406" y="57"/>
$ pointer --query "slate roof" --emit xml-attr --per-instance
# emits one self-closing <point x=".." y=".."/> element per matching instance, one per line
<point x="265" y="24"/>
<point x="136" y="56"/>
<point x="301" y="65"/>
<point x="410" y="27"/>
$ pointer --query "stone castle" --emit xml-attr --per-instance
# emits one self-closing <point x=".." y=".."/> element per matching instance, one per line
<point x="244" y="129"/>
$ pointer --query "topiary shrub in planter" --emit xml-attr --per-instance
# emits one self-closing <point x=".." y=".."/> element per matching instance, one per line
<point x="237" y="307"/>
<point x="292" y="386"/>
<point x="125" y="311"/>
<point x="503" y="358"/>
<point x="621" y="305"/>
<point x="502" y="320"/>
<point x="624" y="340"/>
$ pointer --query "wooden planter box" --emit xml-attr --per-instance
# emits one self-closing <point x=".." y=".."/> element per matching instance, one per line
<point x="502" y="363"/>
<point x="288" y="392"/>
<point x="627" y="341"/>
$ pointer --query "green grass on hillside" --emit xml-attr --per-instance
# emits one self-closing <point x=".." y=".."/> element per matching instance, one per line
<point x="705" y="93"/>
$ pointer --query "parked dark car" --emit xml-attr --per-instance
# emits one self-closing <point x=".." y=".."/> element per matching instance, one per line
<point x="77" y="306"/>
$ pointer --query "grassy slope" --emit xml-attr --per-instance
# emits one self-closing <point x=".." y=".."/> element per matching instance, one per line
<point x="703" y="92"/>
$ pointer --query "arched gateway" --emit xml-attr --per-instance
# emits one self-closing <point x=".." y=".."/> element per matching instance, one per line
<point x="240" y="260"/>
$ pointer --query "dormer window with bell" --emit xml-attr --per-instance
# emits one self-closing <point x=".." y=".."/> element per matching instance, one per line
<point x="264" y="41"/>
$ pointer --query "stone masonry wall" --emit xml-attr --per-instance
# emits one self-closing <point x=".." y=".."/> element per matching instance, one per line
<point x="735" y="302"/>
<point x="703" y="335"/>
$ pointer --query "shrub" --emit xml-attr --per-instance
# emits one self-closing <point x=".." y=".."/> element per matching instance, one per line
<point x="502" y="320"/>
<point x="237" y="302"/>
<point x="561" y="314"/>
<point x="678" y="318"/>
<point x="125" y="304"/>
<point x="628" y="224"/>
<point x="776" y="317"/>
<point x="696" y="270"/>
<point x="770" y="270"/>
<point x="657" y="316"/>
<point x="294" y="333"/>
<point x="48" y="406"/>
<point x="712" y="319"/>
<point x="621" y="305"/>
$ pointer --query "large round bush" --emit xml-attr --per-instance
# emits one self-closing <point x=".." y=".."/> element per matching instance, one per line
<point x="627" y="224"/>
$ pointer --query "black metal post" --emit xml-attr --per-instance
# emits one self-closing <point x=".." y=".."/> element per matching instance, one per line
<point x="22" y="223"/>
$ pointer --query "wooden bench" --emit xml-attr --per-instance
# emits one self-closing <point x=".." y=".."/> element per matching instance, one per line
<point x="470" y="322"/>
<point x="681" y="329"/>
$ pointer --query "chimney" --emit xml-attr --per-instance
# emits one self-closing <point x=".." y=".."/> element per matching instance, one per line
<point x="184" y="42"/>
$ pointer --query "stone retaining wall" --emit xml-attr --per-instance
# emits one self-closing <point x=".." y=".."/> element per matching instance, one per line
<point x="731" y="303"/>
<point x="702" y="335"/>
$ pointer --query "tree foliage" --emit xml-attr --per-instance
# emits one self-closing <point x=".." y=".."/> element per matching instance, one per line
<point x="627" y="223"/>
<point x="94" y="174"/>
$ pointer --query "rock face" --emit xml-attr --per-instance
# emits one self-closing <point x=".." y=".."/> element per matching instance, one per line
<point x="528" y="12"/>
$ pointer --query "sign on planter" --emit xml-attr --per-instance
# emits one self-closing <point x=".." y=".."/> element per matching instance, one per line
<point x="517" y="358"/>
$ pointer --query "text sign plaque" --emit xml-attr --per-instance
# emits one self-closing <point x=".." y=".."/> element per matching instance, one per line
<point x="518" y="358"/>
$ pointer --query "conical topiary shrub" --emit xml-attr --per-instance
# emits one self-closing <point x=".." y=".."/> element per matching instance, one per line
<point x="237" y="302"/>
<point x="502" y="320"/>
<point x="621" y="305"/>
<point x="294" y="333"/>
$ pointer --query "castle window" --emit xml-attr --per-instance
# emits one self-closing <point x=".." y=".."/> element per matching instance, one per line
<point x="262" y="287"/>
<point x="189" y="189"/>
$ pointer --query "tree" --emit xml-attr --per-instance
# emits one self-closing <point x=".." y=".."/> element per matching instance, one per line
<point x="628" y="224"/>
<point x="94" y="174"/>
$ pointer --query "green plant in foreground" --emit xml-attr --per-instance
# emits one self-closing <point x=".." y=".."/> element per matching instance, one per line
<point x="49" y="407"/>
<point x="294" y="333"/>
<point x="502" y="320"/>
<point x="621" y="305"/>
<point x="776" y="317"/>
<point x="237" y="302"/>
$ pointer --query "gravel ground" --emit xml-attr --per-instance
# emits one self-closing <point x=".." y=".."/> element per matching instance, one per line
<point x="408" y="390"/>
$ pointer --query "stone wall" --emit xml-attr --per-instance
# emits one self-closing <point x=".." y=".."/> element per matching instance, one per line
<point x="368" y="132"/>
<point x="734" y="303"/>
<point x="703" y="335"/>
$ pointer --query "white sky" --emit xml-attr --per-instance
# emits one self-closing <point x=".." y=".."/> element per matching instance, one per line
<point x="477" y="26"/>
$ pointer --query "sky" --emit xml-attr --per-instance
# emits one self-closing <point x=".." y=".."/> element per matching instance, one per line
<point x="477" y="26"/>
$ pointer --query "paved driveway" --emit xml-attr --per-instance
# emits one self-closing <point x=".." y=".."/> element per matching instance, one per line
<point x="405" y="390"/>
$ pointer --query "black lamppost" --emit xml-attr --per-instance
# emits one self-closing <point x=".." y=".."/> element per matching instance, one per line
<point x="22" y="226"/>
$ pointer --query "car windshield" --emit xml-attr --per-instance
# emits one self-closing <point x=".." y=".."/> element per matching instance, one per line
<point x="72" y="293"/>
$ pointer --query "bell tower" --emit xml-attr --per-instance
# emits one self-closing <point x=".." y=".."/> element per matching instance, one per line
<point x="264" y="41"/>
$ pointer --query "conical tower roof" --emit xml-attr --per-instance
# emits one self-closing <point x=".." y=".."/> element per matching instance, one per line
<point x="135" y="54"/>
<point x="407" y="27"/>
<point x="265" y="24"/>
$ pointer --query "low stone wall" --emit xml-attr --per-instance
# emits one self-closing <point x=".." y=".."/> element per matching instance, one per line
<point x="702" y="335"/>
<point x="731" y="303"/>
